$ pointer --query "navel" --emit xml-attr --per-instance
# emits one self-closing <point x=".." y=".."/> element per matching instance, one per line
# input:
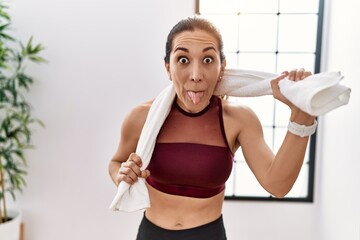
<point x="179" y="226"/>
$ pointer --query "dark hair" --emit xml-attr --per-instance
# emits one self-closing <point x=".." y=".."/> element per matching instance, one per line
<point x="191" y="24"/>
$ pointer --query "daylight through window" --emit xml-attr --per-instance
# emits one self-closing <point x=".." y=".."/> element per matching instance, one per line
<point x="271" y="36"/>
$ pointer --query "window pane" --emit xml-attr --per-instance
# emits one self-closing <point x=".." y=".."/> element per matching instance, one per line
<point x="279" y="135"/>
<point x="228" y="26"/>
<point x="246" y="183"/>
<point x="300" y="187"/>
<point x="258" y="6"/>
<point x="297" y="33"/>
<point x="263" y="107"/>
<point x="230" y="183"/>
<point x="236" y="6"/>
<point x="282" y="114"/>
<point x="291" y="61"/>
<point x="231" y="60"/>
<point x="296" y="6"/>
<point x="269" y="136"/>
<point x="257" y="32"/>
<point x="217" y="6"/>
<point x="242" y="182"/>
<point x="257" y="61"/>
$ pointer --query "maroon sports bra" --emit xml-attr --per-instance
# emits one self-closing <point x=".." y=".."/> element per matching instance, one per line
<point x="191" y="156"/>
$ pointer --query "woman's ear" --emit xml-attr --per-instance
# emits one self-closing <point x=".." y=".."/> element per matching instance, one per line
<point x="223" y="66"/>
<point x="167" y="67"/>
<point x="222" y="70"/>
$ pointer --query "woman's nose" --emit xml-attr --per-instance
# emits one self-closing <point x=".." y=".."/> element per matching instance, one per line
<point x="197" y="73"/>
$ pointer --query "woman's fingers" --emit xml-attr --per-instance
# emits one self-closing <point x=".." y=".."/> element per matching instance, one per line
<point x="130" y="171"/>
<point x="136" y="159"/>
<point x="145" y="173"/>
<point x="298" y="74"/>
<point x="293" y="75"/>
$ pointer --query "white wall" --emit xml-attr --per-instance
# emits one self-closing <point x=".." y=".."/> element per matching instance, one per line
<point x="104" y="58"/>
<point x="339" y="192"/>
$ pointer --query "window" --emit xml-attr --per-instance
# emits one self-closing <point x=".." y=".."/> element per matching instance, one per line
<point x="272" y="36"/>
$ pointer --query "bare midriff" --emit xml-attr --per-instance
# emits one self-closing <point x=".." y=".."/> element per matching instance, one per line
<point x="177" y="212"/>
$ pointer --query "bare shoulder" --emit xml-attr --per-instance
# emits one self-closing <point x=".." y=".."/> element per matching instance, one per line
<point x="130" y="131"/>
<point x="238" y="119"/>
<point x="135" y="119"/>
<point x="236" y="111"/>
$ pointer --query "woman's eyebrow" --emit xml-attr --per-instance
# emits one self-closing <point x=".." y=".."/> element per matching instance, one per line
<point x="209" y="48"/>
<point x="181" y="49"/>
<point x="187" y="50"/>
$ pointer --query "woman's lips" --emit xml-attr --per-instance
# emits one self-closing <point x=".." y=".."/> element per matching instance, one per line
<point x="195" y="96"/>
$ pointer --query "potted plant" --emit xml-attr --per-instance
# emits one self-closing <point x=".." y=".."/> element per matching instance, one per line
<point x="15" y="117"/>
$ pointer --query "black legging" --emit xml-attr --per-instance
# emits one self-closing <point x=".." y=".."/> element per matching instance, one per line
<point x="211" y="231"/>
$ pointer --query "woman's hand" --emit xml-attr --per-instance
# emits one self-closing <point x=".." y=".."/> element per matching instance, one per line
<point x="130" y="171"/>
<point x="297" y="115"/>
<point x="294" y="75"/>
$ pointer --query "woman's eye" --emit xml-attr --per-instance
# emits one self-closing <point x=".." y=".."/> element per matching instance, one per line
<point x="183" y="60"/>
<point x="208" y="60"/>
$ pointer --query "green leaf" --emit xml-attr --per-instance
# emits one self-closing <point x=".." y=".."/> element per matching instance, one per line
<point x="4" y="27"/>
<point x="15" y="110"/>
<point x="37" y="59"/>
<point x="24" y="80"/>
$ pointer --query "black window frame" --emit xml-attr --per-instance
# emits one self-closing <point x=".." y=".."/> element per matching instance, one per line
<point x="312" y="144"/>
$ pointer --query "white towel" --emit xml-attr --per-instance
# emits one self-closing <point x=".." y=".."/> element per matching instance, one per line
<point x="316" y="95"/>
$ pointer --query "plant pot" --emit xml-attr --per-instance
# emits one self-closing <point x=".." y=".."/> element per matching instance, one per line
<point x="10" y="230"/>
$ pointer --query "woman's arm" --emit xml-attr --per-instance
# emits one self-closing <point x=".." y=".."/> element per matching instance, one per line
<point x="276" y="173"/>
<point x="125" y="164"/>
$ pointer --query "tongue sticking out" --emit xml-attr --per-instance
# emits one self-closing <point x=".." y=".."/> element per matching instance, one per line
<point x="195" y="96"/>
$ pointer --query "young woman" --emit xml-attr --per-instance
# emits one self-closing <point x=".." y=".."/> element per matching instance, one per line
<point x="194" y="151"/>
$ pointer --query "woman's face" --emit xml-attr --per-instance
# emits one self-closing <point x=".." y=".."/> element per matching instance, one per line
<point x="195" y="69"/>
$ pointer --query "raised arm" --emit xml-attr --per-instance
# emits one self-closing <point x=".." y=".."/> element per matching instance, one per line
<point x="276" y="173"/>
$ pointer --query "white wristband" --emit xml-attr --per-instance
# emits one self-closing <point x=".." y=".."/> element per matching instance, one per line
<point x="302" y="130"/>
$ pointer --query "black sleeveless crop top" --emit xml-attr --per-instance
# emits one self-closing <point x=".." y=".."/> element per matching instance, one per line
<point x="191" y="156"/>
